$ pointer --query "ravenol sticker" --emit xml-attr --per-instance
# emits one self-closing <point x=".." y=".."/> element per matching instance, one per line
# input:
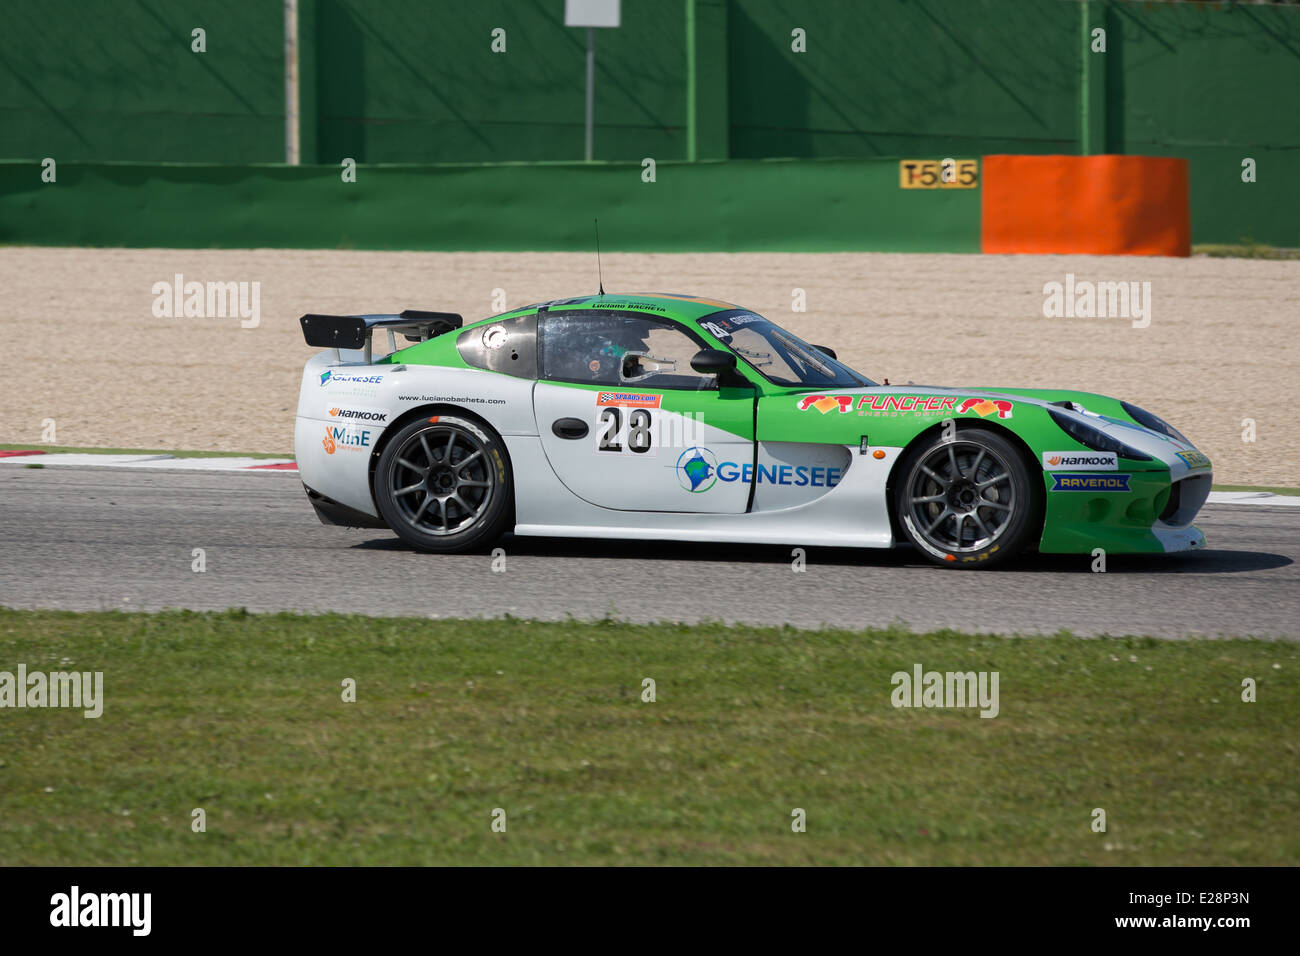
<point x="629" y="399"/>
<point x="1194" y="459"/>
<point x="1068" y="482"/>
<point x="1080" y="460"/>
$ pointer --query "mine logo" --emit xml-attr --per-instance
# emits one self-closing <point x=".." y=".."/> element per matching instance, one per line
<point x="347" y="437"/>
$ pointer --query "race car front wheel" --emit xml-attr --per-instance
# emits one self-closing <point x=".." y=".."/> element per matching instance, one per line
<point x="443" y="485"/>
<point x="966" y="499"/>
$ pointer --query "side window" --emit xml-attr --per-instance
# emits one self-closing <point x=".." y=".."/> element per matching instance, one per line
<point x="619" y="349"/>
<point x="509" y="346"/>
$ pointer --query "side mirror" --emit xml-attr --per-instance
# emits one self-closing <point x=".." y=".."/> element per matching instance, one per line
<point x="713" y="362"/>
<point x="827" y="349"/>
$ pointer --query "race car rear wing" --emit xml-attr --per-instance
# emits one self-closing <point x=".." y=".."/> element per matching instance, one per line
<point x="355" y="331"/>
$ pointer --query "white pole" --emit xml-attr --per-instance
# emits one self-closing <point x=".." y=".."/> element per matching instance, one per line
<point x="291" y="142"/>
<point x="591" y="87"/>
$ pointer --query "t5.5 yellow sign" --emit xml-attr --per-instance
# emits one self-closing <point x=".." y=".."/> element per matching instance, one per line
<point x="938" y="173"/>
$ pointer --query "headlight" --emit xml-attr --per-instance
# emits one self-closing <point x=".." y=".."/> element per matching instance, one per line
<point x="1095" y="438"/>
<point x="1153" y="422"/>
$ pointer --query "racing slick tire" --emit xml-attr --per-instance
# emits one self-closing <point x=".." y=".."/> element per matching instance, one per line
<point x="966" y="499"/>
<point x="443" y="484"/>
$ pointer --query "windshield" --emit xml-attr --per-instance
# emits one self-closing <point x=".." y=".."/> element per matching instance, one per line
<point x="778" y="356"/>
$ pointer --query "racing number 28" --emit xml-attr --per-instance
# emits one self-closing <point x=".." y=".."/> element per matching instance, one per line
<point x="639" y="436"/>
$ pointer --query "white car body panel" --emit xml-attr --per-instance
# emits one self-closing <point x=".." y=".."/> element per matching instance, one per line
<point x="631" y="480"/>
<point x="852" y="513"/>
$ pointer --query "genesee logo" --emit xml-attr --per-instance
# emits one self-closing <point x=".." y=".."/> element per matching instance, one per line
<point x="345" y="378"/>
<point x="797" y="475"/>
<point x="1064" y="482"/>
<point x="358" y="414"/>
<point x="699" y="470"/>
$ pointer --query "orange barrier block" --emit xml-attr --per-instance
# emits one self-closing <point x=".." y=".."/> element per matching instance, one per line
<point x="1100" y="205"/>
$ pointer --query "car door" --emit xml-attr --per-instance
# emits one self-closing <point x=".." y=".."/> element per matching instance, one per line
<point x="627" y="424"/>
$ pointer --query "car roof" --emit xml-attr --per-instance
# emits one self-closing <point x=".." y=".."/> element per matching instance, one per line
<point x="670" y="305"/>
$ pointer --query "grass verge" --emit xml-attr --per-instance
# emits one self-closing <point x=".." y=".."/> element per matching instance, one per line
<point x="242" y="715"/>
<point x="1244" y="250"/>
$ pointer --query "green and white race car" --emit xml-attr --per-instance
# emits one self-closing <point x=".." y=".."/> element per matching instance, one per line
<point x="683" y="418"/>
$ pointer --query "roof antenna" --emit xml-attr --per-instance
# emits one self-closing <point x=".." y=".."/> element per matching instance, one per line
<point x="599" y="277"/>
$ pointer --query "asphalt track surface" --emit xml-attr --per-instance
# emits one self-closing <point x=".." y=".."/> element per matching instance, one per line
<point x="101" y="538"/>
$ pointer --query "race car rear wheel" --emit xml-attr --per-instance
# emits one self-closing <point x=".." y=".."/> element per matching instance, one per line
<point x="966" y="499"/>
<point x="443" y="485"/>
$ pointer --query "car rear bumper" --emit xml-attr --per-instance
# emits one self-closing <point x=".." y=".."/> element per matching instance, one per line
<point x="332" y="512"/>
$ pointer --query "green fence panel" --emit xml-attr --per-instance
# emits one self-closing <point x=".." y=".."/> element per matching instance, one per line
<point x="804" y="206"/>
<point x="103" y="81"/>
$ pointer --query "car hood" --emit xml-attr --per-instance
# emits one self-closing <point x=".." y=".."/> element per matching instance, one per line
<point x="1099" y="411"/>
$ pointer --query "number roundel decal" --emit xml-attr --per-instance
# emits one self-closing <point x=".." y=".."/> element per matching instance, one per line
<point x="639" y="433"/>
